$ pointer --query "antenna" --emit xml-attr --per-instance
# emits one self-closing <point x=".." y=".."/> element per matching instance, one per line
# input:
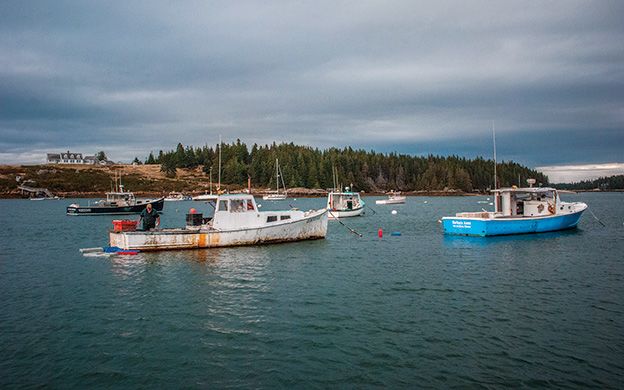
<point x="219" y="185"/>
<point x="494" y="141"/>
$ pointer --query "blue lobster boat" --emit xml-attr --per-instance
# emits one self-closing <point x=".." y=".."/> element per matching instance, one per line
<point x="518" y="211"/>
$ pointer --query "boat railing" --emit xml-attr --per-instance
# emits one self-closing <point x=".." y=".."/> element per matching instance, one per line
<point x="479" y="214"/>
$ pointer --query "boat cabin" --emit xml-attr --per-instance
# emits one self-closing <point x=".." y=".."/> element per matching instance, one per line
<point x="526" y="202"/>
<point x="344" y="201"/>
<point x="241" y="211"/>
<point x="120" y="198"/>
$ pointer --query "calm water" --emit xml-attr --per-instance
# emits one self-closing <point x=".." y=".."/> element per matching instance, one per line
<point x="419" y="310"/>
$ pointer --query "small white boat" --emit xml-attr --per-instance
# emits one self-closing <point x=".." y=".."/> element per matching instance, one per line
<point x="274" y="197"/>
<point x="518" y="211"/>
<point x="176" y="197"/>
<point x="344" y="204"/>
<point x="236" y="221"/>
<point x="393" y="198"/>
<point x="206" y="197"/>
<point x="278" y="177"/>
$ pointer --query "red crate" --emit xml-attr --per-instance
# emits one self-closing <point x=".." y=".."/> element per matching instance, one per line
<point x="124" y="225"/>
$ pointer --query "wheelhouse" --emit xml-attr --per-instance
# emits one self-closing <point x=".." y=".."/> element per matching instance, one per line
<point x="526" y="202"/>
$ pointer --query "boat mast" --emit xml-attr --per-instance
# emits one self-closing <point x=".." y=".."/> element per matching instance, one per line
<point x="282" y="177"/>
<point x="277" y="176"/>
<point x="494" y="141"/>
<point x="210" y="180"/>
<point x="219" y="185"/>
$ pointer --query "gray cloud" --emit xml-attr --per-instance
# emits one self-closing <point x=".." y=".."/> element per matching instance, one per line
<point x="416" y="77"/>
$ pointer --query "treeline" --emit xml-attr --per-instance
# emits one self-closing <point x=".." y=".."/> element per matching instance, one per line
<point x="304" y="166"/>
<point x="604" y="183"/>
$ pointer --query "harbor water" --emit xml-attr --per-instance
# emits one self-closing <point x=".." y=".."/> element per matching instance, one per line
<point x="418" y="309"/>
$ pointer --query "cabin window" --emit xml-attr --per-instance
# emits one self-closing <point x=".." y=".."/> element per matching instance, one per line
<point x="223" y="206"/>
<point x="237" y="205"/>
<point x="272" y="218"/>
<point x="250" y="206"/>
<point x="283" y="217"/>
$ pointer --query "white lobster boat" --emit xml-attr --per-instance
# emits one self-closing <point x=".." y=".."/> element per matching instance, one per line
<point x="344" y="204"/>
<point x="393" y="198"/>
<point x="236" y="221"/>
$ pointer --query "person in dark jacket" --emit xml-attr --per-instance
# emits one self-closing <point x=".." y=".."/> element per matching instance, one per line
<point x="150" y="217"/>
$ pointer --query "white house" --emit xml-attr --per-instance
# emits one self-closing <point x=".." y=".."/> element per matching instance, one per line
<point x="70" y="158"/>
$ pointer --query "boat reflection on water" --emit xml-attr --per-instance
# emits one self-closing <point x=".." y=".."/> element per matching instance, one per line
<point x="467" y="242"/>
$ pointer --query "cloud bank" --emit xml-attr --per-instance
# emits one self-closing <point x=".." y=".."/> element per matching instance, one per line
<point x="415" y="77"/>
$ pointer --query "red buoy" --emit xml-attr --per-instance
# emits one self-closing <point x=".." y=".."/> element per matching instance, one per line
<point x="380" y="233"/>
<point x="192" y="211"/>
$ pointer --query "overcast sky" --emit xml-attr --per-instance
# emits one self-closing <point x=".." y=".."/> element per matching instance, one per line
<point x="416" y="77"/>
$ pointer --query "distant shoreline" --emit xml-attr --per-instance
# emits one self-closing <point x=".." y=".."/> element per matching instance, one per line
<point x="88" y="181"/>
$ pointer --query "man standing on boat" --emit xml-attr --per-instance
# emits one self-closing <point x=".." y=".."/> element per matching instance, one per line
<point x="150" y="217"/>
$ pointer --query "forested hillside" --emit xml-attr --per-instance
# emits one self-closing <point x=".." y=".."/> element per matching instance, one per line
<point x="604" y="183"/>
<point x="309" y="167"/>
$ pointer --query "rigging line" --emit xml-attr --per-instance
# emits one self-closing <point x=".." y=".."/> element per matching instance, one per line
<point x="339" y="221"/>
<point x="594" y="215"/>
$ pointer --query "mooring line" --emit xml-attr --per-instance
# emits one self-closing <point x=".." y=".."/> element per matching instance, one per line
<point x="594" y="215"/>
<point x="339" y="221"/>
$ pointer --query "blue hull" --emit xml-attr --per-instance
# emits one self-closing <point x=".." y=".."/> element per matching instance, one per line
<point x="504" y="226"/>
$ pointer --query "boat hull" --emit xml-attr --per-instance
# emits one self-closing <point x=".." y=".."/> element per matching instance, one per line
<point x="312" y="227"/>
<point x="274" y="197"/>
<point x="507" y="226"/>
<point x="157" y="204"/>
<point x="333" y="214"/>
<point x="390" y="201"/>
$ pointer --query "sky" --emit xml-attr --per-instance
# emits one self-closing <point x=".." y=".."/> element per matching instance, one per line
<point x="414" y="77"/>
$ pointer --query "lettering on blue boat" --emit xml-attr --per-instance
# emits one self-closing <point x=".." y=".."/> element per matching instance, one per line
<point x="462" y="224"/>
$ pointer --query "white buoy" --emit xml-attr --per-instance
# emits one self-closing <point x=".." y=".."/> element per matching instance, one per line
<point x="394" y="212"/>
<point x="425" y="202"/>
<point x="259" y="205"/>
<point x="491" y="204"/>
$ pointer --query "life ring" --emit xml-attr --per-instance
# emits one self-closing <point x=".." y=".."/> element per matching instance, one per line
<point x="551" y="208"/>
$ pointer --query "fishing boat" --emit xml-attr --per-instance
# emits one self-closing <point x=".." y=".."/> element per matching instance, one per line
<point x="206" y="197"/>
<point x="176" y="197"/>
<point x="209" y="196"/>
<point x="393" y="198"/>
<point x="277" y="195"/>
<point x="518" y="211"/>
<point x="236" y="221"/>
<point x="344" y="204"/>
<point x="118" y="201"/>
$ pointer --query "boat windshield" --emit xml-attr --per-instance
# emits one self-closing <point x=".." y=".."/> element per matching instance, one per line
<point x="241" y="205"/>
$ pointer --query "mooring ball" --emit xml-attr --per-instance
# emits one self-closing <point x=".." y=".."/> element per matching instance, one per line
<point x="394" y="212"/>
<point x="192" y="211"/>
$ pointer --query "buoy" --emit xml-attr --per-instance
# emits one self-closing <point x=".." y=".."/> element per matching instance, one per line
<point x="380" y="233"/>
<point x="395" y="233"/>
<point x="259" y="205"/>
<point x="192" y="210"/>
<point x="425" y="202"/>
<point x="394" y="212"/>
